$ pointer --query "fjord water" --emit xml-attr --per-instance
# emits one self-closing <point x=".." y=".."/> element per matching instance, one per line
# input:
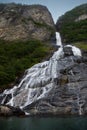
<point x="14" y="123"/>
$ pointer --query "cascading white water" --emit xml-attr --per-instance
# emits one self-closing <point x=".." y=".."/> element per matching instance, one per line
<point x="76" y="51"/>
<point x="58" y="39"/>
<point x="38" y="81"/>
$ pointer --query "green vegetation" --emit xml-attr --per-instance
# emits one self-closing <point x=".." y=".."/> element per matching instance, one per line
<point x="73" y="32"/>
<point x="17" y="56"/>
<point x="81" y="45"/>
<point x="70" y="29"/>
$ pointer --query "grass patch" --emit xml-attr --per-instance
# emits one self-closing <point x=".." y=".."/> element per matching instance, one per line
<point x="81" y="45"/>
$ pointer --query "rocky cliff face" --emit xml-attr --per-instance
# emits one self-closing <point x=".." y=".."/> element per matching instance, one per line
<point x="57" y="86"/>
<point x="81" y="17"/>
<point x="23" y="22"/>
<point x="68" y="94"/>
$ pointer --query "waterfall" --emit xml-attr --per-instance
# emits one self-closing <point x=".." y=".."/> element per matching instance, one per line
<point x="76" y="51"/>
<point x="58" y="39"/>
<point x="38" y="80"/>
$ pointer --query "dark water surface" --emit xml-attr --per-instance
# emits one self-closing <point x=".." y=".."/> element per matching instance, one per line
<point x="35" y="123"/>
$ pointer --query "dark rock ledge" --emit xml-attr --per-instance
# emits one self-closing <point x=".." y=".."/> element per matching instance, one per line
<point x="6" y="110"/>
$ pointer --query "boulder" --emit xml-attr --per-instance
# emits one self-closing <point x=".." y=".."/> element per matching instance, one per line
<point x="10" y="111"/>
<point x="67" y="51"/>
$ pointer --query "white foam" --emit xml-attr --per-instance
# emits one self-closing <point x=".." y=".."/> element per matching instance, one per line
<point x="76" y="51"/>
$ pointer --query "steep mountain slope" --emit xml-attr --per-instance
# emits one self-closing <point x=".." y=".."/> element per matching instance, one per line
<point x="57" y="86"/>
<point x="25" y="32"/>
<point x="73" y="25"/>
<point x="25" y="22"/>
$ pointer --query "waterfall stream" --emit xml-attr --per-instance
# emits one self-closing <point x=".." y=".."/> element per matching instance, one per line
<point x="38" y="80"/>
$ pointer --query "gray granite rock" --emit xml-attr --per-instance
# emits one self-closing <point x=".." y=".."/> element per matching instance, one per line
<point x="24" y="22"/>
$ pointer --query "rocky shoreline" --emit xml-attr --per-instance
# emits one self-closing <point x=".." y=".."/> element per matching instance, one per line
<point x="7" y="111"/>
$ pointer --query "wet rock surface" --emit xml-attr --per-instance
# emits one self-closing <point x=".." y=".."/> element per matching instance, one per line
<point x="69" y="93"/>
<point x="57" y="86"/>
